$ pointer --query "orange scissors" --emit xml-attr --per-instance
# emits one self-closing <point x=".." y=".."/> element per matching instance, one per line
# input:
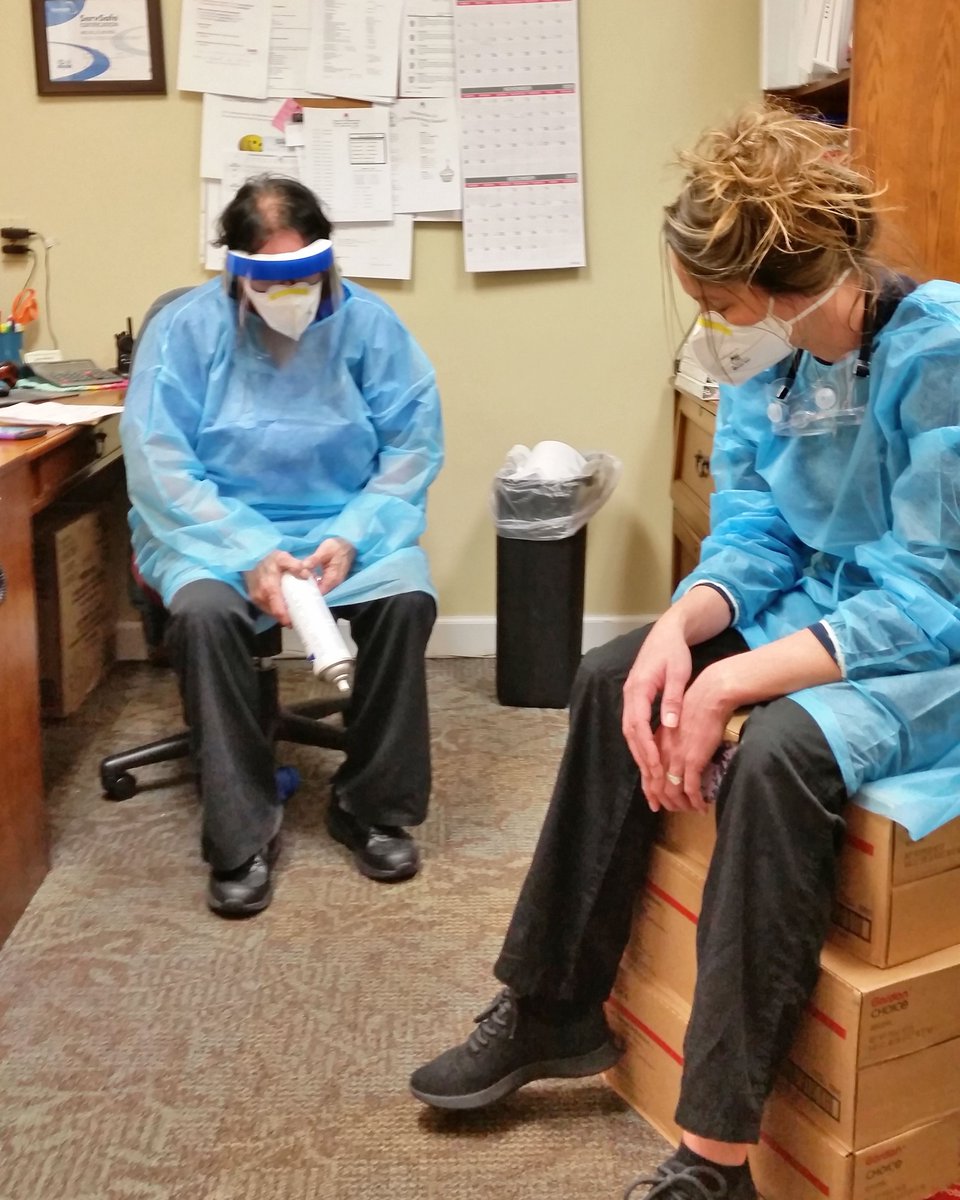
<point x="24" y="308"/>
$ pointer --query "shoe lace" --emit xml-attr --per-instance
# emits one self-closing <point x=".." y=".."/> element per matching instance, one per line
<point x="675" y="1183"/>
<point x="385" y="832"/>
<point x="499" y="1017"/>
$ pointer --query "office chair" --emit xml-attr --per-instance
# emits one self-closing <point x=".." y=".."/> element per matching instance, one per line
<point x="301" y="724"/>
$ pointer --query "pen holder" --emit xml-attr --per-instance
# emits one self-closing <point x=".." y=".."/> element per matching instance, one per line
<point x="11" y="346"/>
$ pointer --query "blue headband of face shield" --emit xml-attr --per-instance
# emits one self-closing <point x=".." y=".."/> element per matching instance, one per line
<point x="314" y="259"/>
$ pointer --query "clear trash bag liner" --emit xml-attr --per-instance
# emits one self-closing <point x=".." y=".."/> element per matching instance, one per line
<point x="551" y="491"/>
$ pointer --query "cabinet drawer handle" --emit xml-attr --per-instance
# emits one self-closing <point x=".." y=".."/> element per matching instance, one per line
<point x="702" y="463"/>
<point x="100" y="440"/>
<point x="3" y="585"/>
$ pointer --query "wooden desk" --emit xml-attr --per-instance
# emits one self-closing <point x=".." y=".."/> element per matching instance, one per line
<point x="32" y="475"/>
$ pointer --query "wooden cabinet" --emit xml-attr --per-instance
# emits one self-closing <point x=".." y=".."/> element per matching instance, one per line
<point x="904" y="99"/>
<point x="34" y="474"/>
<point x="693" y="426"/>
<point x="23" y="836"/>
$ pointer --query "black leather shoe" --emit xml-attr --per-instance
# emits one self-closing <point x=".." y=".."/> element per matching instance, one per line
<point x="247" y="889"/>
<point x="384" y="852"/>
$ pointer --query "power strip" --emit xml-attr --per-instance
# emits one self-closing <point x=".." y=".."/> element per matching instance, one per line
<point x="42" y="356"/>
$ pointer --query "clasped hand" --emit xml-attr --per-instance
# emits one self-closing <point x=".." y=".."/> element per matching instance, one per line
<point x="673" y="758"/>
<point x="332" y="560"/>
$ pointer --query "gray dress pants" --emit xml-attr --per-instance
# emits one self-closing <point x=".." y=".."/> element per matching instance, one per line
<point x="767" y="900"/>
<point x="385" y="776"/>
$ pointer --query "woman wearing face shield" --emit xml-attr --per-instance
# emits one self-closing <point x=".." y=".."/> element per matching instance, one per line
<point x="282" y="420"/>
<point x="827" y="597"/>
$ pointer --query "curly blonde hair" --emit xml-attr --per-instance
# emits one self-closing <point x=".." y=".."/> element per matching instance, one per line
<point x="772" y="199"/>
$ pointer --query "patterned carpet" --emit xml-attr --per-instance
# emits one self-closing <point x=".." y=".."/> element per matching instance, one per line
<point x="151" y="1051"/>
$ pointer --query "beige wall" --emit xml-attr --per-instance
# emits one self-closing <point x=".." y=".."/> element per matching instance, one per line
<point x="581" y="356"/>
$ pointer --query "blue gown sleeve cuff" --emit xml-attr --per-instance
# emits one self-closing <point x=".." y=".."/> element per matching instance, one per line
<point x="824" y="635"/>
<point x="721" y="591"/>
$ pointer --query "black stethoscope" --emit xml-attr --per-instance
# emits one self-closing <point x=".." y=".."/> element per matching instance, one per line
<point x="860" y="371"/>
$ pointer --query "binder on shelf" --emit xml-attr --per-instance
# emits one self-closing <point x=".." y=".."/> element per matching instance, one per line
<point x="779" y="34"/>
<point x="808" y="38"/>
<point x="833" y="42"/>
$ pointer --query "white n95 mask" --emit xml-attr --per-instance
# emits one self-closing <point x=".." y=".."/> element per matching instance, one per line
<point x="288" y="308"/>
<point x="736" y="353"/>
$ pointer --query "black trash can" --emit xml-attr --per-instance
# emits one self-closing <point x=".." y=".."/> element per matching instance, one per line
<point x="539" y="598"/>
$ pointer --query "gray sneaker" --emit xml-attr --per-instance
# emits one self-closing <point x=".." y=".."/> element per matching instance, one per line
<point x="510" y="1047"/>
<point x="677" y="1181"/>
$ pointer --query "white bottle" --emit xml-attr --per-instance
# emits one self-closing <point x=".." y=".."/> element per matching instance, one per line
<point x="318" y="631"/>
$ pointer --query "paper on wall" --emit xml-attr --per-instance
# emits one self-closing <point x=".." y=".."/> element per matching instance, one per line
<point x="426" y="49"/>
<point x="226" y="121"/>
<point x="426" y="156"/>
<point x="239" y="167"/>
<point x="224" y="47"/>
<point x="212" y="257"/>
<point x="455" y="215"/>
<point x="375" y="251"/>
<point x="354" y="48"/>
<point x="289" y="40"/>
<point x="346" y="161"/>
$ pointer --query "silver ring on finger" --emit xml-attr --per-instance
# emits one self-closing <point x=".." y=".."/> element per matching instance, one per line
<point x="676" y="780"/>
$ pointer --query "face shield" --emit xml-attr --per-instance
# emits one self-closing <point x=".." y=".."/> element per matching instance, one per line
<point x="288" y="291"/>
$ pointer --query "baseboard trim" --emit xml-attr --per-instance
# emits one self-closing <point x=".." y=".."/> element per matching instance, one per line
<point x="453" y="637"/>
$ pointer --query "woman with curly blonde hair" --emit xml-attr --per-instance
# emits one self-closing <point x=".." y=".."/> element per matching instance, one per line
<point x="827" y="597"/>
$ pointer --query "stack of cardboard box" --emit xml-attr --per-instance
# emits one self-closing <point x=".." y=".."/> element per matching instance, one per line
<point x="74" y="606"/>
<point x="867" y="1106"/>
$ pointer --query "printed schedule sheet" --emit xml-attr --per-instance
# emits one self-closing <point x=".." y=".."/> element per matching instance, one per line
<point x="518" y="93"/>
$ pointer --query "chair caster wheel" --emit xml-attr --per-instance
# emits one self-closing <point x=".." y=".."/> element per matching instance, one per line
<point x="119" y="787"/>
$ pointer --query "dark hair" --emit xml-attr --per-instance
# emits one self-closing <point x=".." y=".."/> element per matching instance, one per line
<point x="265" y="205"/>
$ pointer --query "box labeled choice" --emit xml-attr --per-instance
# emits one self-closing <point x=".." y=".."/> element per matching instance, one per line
<point x="663" y="939"/>
<point x="877" y="1051"/>
<point x="896" y="898"/>
<point x="796" y="1159"/>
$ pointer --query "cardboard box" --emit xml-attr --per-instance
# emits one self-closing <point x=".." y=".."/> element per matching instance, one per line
<point x="795" y="1160"/>
<point x="878" y="1051"/>
<point x="663" y="939"/>
<point x="74" y="609"/>
<point x="651" y="1022"/>
<point x="897" y="898"/>
<point x="894" y="856"/>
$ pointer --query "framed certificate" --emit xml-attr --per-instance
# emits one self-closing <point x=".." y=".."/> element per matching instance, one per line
<point x="98" y="47"/>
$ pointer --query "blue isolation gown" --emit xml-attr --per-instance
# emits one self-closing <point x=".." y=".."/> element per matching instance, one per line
<point x="230" y="456"/>
<point x="859" y="529"/>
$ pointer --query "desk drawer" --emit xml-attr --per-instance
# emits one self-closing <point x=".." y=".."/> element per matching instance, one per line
<point x="52" y="472"/>
<point x="694" y="443"/>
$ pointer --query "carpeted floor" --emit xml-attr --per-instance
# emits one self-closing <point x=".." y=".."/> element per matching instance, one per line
<point x="151" y="1051"/>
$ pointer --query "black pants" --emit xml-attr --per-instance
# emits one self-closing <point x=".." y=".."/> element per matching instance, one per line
<point x="766" y="904"/>
<point x="385" y="776"/>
